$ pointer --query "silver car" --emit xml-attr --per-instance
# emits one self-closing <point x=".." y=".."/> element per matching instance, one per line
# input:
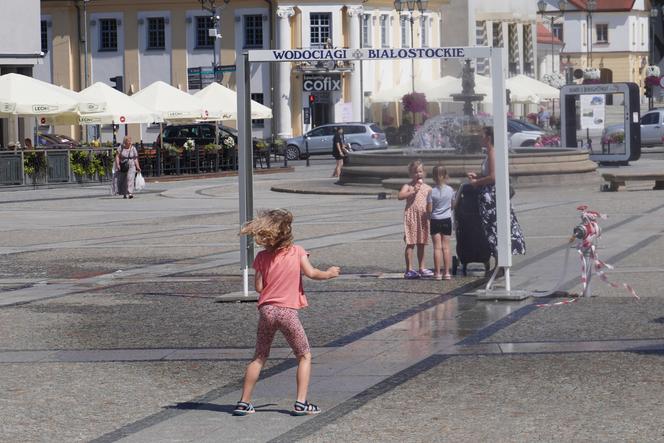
<point x="360" y="137"/>
<point x="652" y="129"/>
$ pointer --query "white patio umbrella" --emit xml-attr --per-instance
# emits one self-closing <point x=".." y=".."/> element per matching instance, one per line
<point x="392" y="94"/>
<point x="120" y="108"/>
<point x="441" y="90"/>
<point x="171" y="103"/>
<point x="524" y="89"/>
<point x="23" y="95"/>
<point x="223" y="99"/>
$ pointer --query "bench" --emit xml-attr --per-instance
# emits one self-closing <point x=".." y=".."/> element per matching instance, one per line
<point x="618" y="179"/>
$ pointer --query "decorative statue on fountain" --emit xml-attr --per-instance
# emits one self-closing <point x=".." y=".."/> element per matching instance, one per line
<point x="460" y="134"/>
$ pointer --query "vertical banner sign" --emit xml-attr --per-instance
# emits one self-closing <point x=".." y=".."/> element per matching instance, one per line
<point x="593" y="112"/>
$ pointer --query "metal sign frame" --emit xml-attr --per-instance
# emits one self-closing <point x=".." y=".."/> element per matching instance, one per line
<point x="245" y="171"/>
<point x="632" y="118"/>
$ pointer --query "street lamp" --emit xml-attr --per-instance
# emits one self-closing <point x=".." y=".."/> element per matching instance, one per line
<point x="591" y="5"/>
<point x="541" y="6"/>
<point x="210" y="6"/>
<point x="654" y="13"/>
<point x="412" y="5"/>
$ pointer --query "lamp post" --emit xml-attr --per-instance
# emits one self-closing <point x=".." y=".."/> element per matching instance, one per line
<point x="591" y="5"/>
<point x="654" y="13"/>
<point x="541" y="6"/>
<point x="210" y="6"/>
<point x="412" y="6"/>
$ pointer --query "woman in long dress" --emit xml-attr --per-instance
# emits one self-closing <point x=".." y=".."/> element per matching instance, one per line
<point x="485" y="181"/>
<point x="126" y="166"/>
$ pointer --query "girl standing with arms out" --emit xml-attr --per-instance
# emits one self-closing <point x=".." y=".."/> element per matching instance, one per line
<point x="278" y="280"/>
<point x="416" y="219"/>
<point x="439" y="205"/>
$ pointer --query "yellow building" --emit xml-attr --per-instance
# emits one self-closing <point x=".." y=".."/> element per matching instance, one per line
<point x="179" y="41"/>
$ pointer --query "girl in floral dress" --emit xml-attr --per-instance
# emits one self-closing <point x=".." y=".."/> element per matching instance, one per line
<point x="416" y="219"/>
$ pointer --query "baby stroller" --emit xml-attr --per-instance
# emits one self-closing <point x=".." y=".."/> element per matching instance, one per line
<point x="472" y="245"/>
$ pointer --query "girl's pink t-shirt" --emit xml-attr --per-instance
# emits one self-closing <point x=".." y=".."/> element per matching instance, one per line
<point x="282" y="277"/>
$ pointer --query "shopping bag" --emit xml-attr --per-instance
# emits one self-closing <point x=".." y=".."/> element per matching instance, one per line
<point x="139" y="182"/>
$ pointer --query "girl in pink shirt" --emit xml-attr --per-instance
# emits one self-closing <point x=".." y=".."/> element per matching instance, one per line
<point x="278" y="280"/>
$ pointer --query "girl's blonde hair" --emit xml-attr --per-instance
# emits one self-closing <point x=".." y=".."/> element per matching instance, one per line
<point x="271" y="229"/>
<point x="412" y="166"/>
<point x="439" y="174"/>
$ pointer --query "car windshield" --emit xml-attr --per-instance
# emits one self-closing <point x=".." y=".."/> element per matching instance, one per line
<point x="523" y="126"/>
<point x="375" y="128"/>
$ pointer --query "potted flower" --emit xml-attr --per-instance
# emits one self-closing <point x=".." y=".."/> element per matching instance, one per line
<point x="554" y="79"/>
<point x="189" y="145"/>
<point x="228" y="142"/>
<point x="34" y="165"/>
<point x="591" y="76"/>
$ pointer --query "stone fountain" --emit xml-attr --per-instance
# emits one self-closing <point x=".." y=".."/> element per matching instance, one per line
<point x="455" y="142"/>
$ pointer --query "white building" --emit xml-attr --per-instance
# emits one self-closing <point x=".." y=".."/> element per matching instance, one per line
<point x="509" y="24"/>
<point x="20" y="50"/>
<point x="613" y="37"/>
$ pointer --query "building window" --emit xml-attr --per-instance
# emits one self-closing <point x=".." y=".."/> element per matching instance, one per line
<point x="405" y="32"/>
<point x="320" y="27"/>
<point x="643" y="34"/>
<point x="108" y="37"/>
<point x="259" y="123"/>
<point x="203" y="38"/>
<point x="384" y="31"/>
<point x="497" y="35"/>
<point x="156" y="33"/>
<point x="584" y="31"/>
<point x="557" y="31"/>
<point x="424" y="32"/>
<point x="602" y="31"/>
<point x="366" y="31"/>
<point x="253" y="31"/>
<point x="44" y="36"/>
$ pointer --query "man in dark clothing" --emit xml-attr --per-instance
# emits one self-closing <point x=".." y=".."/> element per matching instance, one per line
<point x="339" y="150"/>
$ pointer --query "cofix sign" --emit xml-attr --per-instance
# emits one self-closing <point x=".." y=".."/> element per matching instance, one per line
<point x="321" y="83"/>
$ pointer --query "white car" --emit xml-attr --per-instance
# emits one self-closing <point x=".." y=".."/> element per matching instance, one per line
<point x="522" y="134"/>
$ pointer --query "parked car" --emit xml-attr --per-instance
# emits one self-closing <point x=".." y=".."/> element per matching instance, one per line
<point x="522" y="134"/>
<point x="360" y="137"/>
<point x="652" y="129"/>
<point x="201" y="133"/>
<point x="55" y="141"/>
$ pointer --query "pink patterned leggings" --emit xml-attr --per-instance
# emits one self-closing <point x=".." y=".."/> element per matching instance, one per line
<point x="276" y="318"/>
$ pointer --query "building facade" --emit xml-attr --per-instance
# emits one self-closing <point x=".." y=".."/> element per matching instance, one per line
<point x="20" y="52"/>
<point x="507" y="24"/>
<point x="614" y="37"/>
<point x="170" y="40"/>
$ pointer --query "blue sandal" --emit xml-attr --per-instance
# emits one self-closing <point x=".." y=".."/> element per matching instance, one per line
<point x="305" y="408"/>
<point x="243" y="408"/>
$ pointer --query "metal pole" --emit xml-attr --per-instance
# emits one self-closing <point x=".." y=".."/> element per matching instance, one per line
<point x="245" y="163"/>
<point x="214" y="44"/>
<point x="306" y="147"/>
<point x="412" y="60"/>
<point x="85" y="62"/>
<point x="502" y="167"/>
<point x="553" y="64"/>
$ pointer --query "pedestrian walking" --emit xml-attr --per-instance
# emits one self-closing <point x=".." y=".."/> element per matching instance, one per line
<point x="415" y="219"/>
<point x="126" y="166"/>
<point x="279" y="268"/>
<point x="485" y="183"/>
<point x="439" y="205"/>
<point x="339" y="150"/>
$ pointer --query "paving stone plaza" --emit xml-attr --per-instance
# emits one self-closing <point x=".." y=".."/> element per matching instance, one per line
<point x="111" y="327"/>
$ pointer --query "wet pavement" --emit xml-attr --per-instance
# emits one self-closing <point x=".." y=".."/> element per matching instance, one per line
<point x="111" y="327"/>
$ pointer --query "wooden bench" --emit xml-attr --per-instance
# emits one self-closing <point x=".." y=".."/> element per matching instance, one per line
<point x="618" y="179"/>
